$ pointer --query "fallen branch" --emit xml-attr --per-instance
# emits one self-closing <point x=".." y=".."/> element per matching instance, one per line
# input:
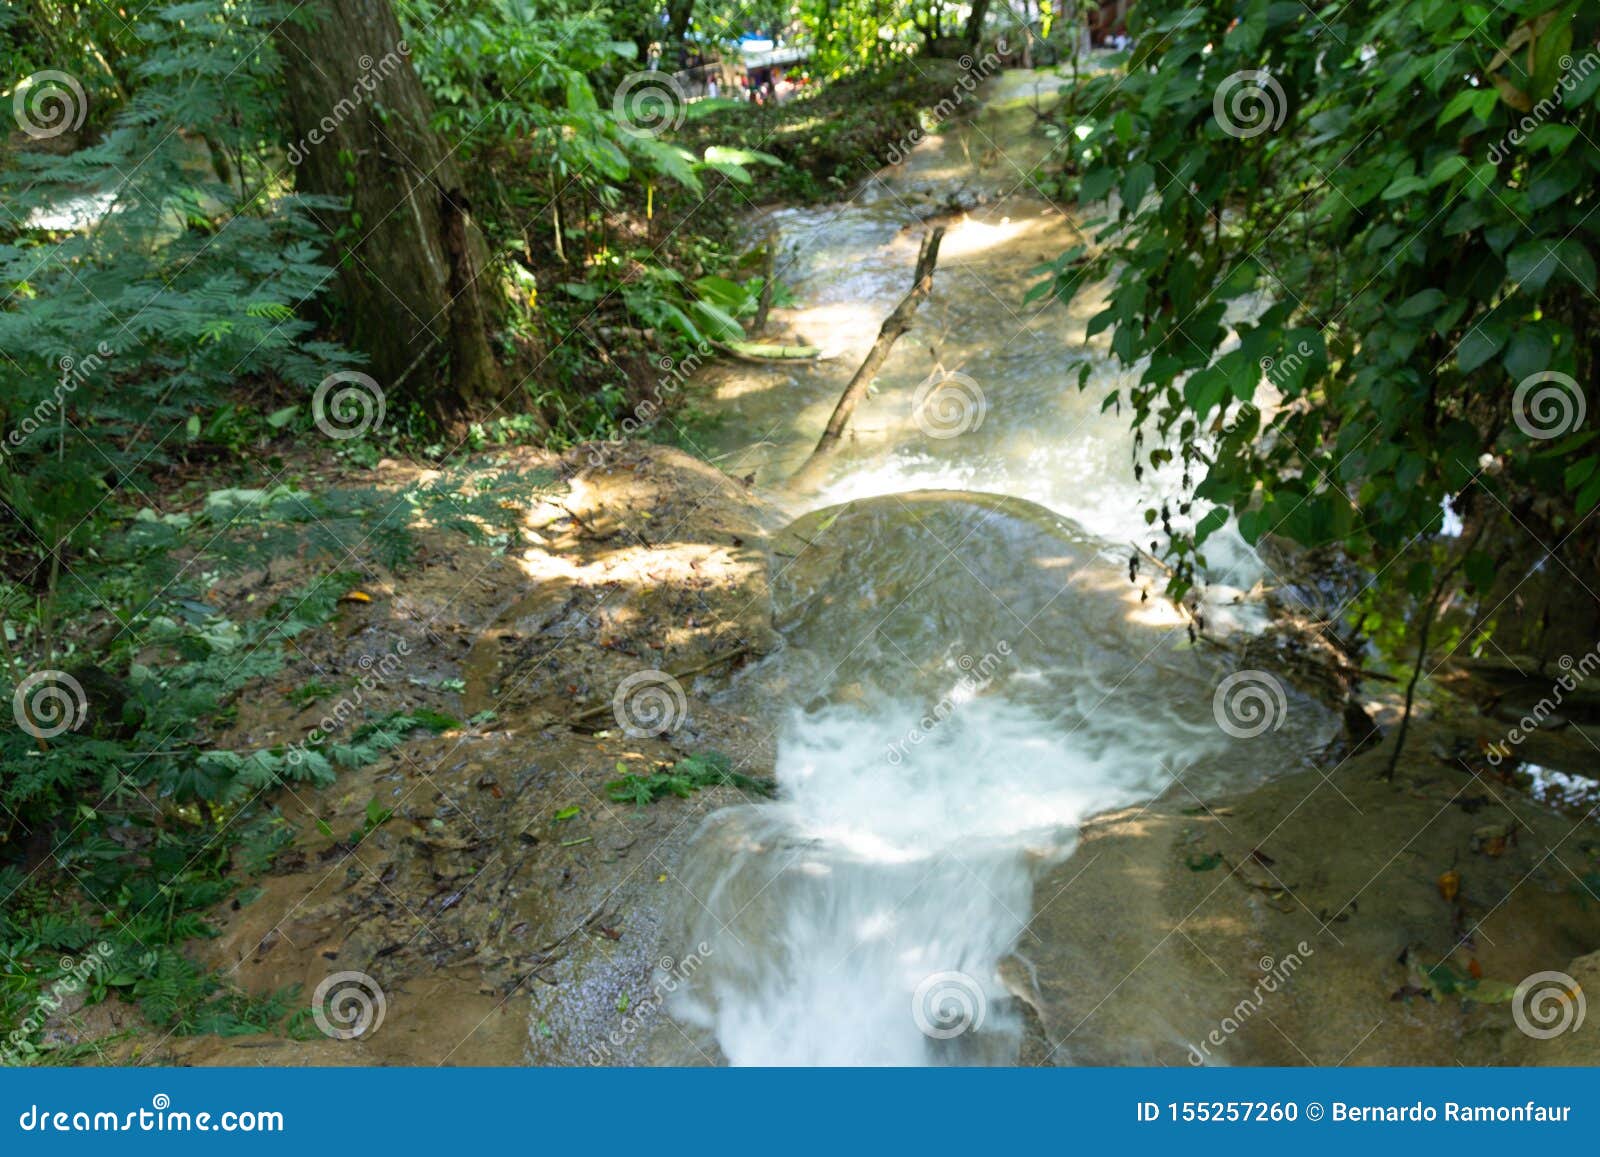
<point x="896" y="324"/>
<point x="1152" y="559"/>
<point x="762" y="354"/>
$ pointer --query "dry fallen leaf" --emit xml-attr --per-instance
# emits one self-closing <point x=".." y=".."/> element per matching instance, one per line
<point x="1450" y="884"/>
<point x="1492" y="839"/>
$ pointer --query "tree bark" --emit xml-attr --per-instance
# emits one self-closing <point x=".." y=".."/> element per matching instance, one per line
<point x="679" y="13"/>
<point x="415" y="289"/>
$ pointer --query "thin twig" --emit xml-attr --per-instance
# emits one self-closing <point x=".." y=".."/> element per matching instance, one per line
<point x="1430" y="612"/>
<point x="592" y="712"/>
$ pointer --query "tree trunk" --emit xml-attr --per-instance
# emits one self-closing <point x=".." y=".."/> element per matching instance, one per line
<point x="980" y="10"/>
<point x="415" y="288"/>
<point x="679" y="13"/>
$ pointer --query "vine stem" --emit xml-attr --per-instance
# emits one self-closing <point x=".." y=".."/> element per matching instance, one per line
<point x="1430" y="614"/>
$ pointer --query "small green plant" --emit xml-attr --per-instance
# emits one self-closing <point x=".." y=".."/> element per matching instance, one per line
<point x="683" y="779"/>
<point x="376" y="816"/>
<point x="309" y="692"/>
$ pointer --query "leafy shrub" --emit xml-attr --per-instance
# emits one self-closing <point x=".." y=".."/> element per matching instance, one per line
<point x="1348" y="203"/>
<point x="149" y="272"/>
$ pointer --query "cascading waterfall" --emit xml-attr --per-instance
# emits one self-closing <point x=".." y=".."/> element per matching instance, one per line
<point x="951" y="726"/>
<point x="889" y="892"/>
<point x="967" y="676"/>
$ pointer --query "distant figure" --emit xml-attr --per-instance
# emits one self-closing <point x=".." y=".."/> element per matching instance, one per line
<point x="711" y="88"/>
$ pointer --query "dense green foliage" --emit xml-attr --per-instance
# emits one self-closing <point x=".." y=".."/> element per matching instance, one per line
<point x="1339" y="238"/>
<point x="145" y="281"/>
<point x="128" y="824"/>
<point x="832" y="138"/>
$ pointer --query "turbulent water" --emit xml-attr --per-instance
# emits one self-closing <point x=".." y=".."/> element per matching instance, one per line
<point x="967" y="675"/>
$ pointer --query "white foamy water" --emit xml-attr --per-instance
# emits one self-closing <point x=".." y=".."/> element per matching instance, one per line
<point x="959" y="713"/>
<point x="861" y="918"/>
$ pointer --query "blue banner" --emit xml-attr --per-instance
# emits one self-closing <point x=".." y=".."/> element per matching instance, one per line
<point x="829" y="1110"/>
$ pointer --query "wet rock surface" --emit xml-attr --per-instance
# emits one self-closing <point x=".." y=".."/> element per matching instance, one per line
<point x="1330" y="917"/>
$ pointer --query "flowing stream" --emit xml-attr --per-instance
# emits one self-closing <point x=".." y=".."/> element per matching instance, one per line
<point x="968" y="671"/>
